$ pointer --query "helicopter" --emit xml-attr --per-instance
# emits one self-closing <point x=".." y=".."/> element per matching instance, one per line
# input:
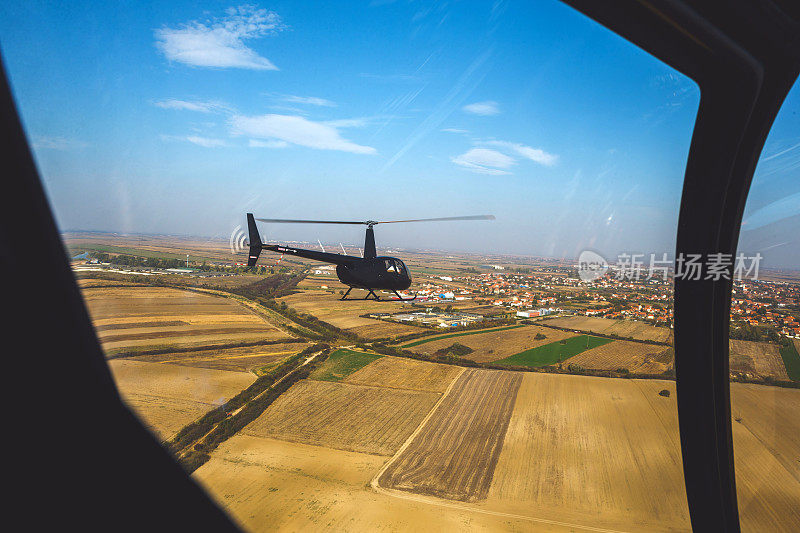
<point x="369" y="272"/>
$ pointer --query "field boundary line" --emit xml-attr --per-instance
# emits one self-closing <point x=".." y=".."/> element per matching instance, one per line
<point x="374" y="483"/>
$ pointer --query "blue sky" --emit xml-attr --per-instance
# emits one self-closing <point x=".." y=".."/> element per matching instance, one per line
<point x="178" y="119"/>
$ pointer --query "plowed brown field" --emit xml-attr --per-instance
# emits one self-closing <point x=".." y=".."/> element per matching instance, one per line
<point x="147" y="317"/>
<point x="634" y="356"/>
<point x="491" y="346"/>
<point x="455" y="453"/>
<point x="245" y="359"/>
<point x="605" y="326"/>
<point x="761" y="358"/>
<point x="401" y="373"/>
<point x="344" y="416"/>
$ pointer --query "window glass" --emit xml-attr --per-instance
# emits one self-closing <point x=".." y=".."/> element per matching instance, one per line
<point x="530" y="384"/>
<point x="765" y="335"/>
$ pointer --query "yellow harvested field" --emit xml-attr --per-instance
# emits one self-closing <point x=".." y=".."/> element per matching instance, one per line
<point x="766" y="425"/>
<point x="344" y="416"/>
<point x="760" y="358"/>
<point x="167" y="397"/>
<point x="604" y="326"/>
<point x="402" y="373"/>
<point x="637" y="357"/>
<point x="245" y="359"/>
<point x="593" y="451"/>
<point x="494" y="345"/>
<point x="379" y="329"/>
<point x="268" y="485"/>
<point x="455" y="453"/>
<point x="347" y="314"/>
<point x="144" y="317"/>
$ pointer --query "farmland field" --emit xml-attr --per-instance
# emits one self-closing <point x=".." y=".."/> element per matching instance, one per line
<point x="439" y="460"/>
<point x="344" y="416"/>
<point x="634" y="356"/>
<point x="346" y="314"/>
<point x="766" y="449"/>
<point x="490" y="346"/>
<point x="167" y="397"/>
<point x="761" y="358"/>
<point x="402" y="373"/>
<point x="604" y="326"/>
<point x="243" y="359"/>
<point x="268" y="485"/>
<point x="138" y="318"/>
<point x="593" y="451"/>
<point x="342" y="363"/>
<point x="554" y="352"/>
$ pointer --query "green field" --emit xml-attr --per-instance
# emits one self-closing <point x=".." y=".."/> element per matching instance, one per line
<point x="791" y="360"/>
<point x="555" y="352"/>
<point x="436" y="338"/>
<point x="342" y="363"/>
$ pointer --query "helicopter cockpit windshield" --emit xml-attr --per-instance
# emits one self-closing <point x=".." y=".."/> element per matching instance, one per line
<point x="394" y="266"/>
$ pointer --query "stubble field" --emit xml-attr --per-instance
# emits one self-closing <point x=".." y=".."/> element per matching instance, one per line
<point x="760" y="358"/>
<point x="167" y="397"/>
<point x="623" y="328"/>
<point x="634" y="356"/>
<point x="346" y="314"/>
<point x="344" y="416"/>
<point x="137" y="318"/>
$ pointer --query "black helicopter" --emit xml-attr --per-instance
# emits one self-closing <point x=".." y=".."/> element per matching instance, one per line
<point x="369" y="272"/>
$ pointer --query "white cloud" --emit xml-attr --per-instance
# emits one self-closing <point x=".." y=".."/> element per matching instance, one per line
<point x="220" y="42"/>
<point x="454" y="130"/>
<point x="348" y="122"/>
<point x="534" y="154"/>
<point x="310" y="100"/>
<point x="205" y="142"/>
<point x="296" y="130"/>
<point x="482" y="108"/>
<point x="255" y="143"/>
<point x="484" y="161"/>
<point x="202" y="107"/>
<point x="58" y="143"/>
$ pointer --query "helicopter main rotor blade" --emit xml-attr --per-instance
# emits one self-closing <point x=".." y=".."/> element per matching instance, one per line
<point x="441" y="219"/>
<point x="373" y="222"/>
<point x="290" y="221"/>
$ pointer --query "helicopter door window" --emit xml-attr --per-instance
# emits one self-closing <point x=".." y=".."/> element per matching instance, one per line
<point x="390" y="266"/>
<point x="401" y="269"/>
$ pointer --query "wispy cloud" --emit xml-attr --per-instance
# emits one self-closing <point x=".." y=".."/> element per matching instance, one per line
<point x="500" y="156"/>
<point x="201" y="107"/>
<point x="534" y="154"/>
<point x="296" y="130"/>
<point x="482" y="108"/>
<point x="454" y="130"/>
<point x="309" y="100"/>
<point x="205" y="142"/>
<point x="219" y="42"/>
<point x="58" y="143"/>
<point x="255" y="143"/>
<point x="485" y="161"/>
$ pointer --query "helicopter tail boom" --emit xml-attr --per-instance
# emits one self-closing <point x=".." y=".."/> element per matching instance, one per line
<point x="255" y="241"/>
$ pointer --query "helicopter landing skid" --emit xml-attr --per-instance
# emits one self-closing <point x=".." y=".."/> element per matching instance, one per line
<point x="372" y="296"/>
